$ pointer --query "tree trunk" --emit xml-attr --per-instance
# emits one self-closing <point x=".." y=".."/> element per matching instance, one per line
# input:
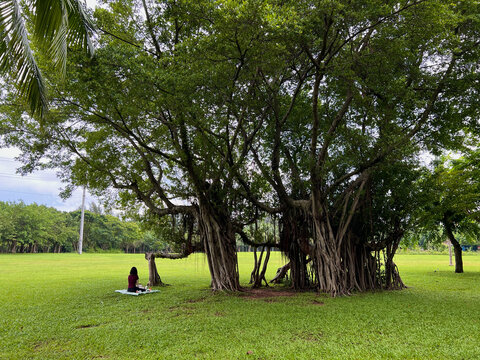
<point x="456" y="245"/>
<point x="327" y="262"/>
<point x="261" y="276"/>
<point x="255" y="265"/>
<point x="326" y="258"/>
<point x="219" y="244"/>
<point x="334" y="248"/>
<point x="282" y="273"/>
<point x="294" y="235"/>
<point x="257" y="276"/>
<point x="153" y="276"/>
<point x="392" y="276"/>
<point x="13" y="249"/>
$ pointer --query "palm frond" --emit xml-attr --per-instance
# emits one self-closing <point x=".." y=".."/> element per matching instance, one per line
<point x="17" y="57"/>
<point x="80" y="26"/>
<point x="62" y="23"/>
<point x="57" y="24"/>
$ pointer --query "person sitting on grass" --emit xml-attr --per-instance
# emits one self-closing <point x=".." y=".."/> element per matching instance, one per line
<point x="133" y="285"/>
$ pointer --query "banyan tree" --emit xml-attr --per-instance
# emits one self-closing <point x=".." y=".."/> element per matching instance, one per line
<point x="360" y="94"/>
<point x="227" y="113"/>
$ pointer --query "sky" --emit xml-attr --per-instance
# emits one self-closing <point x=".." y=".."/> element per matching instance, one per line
<point x="41" y="187"/>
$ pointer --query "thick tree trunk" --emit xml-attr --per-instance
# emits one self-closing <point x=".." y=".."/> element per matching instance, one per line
<point x="153" y="276"/>
<point x="458" y="257"/>
<point x="456" y="245"/>
<point x="13" y="249"/>
<point x="294" y="235"/>
<point x="326" y="257"/>
<point x="327" y="262"/>
<point x="334" y="252"/>
<point x="298" y="268"/>
<point x="219" y="244"/>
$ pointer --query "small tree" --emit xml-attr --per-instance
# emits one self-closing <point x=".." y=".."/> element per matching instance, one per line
<point x="452" y="199"/>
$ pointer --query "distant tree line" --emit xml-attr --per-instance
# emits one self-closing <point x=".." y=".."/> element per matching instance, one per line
<point x="37" y="228"/>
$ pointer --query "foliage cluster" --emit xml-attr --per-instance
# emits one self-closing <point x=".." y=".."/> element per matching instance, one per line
<point x="38" y="228"/>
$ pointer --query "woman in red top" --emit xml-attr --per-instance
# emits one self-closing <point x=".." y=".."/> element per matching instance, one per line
<point x="133" y="281"/>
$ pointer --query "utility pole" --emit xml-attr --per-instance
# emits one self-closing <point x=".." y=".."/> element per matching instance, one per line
<point x="82" y="218"/>
<point x="450" y="252"/>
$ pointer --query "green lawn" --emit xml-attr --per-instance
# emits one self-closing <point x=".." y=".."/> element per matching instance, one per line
<point x="63" y="306"/>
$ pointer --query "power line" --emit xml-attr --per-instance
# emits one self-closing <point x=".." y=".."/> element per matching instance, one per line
<point x="74" y="196"/>
<point x="26" y="193"/>
<point x="7" y="175"/>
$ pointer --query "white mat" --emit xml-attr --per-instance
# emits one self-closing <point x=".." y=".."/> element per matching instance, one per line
<point x="125" y="292"/>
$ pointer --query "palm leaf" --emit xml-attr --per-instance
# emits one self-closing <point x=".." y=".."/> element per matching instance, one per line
<point x="58" y="24"/>
<point x="62" y="23"/>
<point x="17" y="58"/>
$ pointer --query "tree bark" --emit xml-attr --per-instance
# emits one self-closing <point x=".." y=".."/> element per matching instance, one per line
<point x="258" y="276"/>
<point x="392" y="276"/>
<point x="255" y="265"/>
<point x="261" y="277"/>
<point x="326" y="258"/>
<point x="294" y="235"/>
<point x="13" y="249"/>
<point x="218" y="238"/>
<point x="456" y="245"/>
<point x="153" y="276"/>
<point x="281" y="274"/>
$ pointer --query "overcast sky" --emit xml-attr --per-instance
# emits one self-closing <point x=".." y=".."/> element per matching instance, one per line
<point x="41" y="187"/>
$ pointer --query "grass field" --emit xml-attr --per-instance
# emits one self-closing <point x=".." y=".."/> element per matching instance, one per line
<point x="63" y="306"/>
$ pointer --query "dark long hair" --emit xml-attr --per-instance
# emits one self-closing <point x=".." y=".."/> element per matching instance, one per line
<point x="133" y="271"/>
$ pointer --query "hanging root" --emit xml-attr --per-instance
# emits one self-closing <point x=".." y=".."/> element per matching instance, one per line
<point x="397" y="282"/>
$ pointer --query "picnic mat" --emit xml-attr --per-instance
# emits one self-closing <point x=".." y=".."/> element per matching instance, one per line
<point x="125" y="292"/>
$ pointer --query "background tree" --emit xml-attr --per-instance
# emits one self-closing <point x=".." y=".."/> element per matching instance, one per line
<point x="37" y="228"/>
<point x="452" y="197"/>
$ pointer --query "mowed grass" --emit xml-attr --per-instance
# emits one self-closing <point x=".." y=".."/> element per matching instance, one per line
<point x="63" y="306"/>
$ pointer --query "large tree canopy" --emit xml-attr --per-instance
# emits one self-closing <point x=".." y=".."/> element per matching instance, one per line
<point x="222" y="113"/>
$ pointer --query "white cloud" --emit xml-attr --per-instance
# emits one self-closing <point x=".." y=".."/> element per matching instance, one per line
<point x="91" y="3"/>
<point x="41" y="187"/>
